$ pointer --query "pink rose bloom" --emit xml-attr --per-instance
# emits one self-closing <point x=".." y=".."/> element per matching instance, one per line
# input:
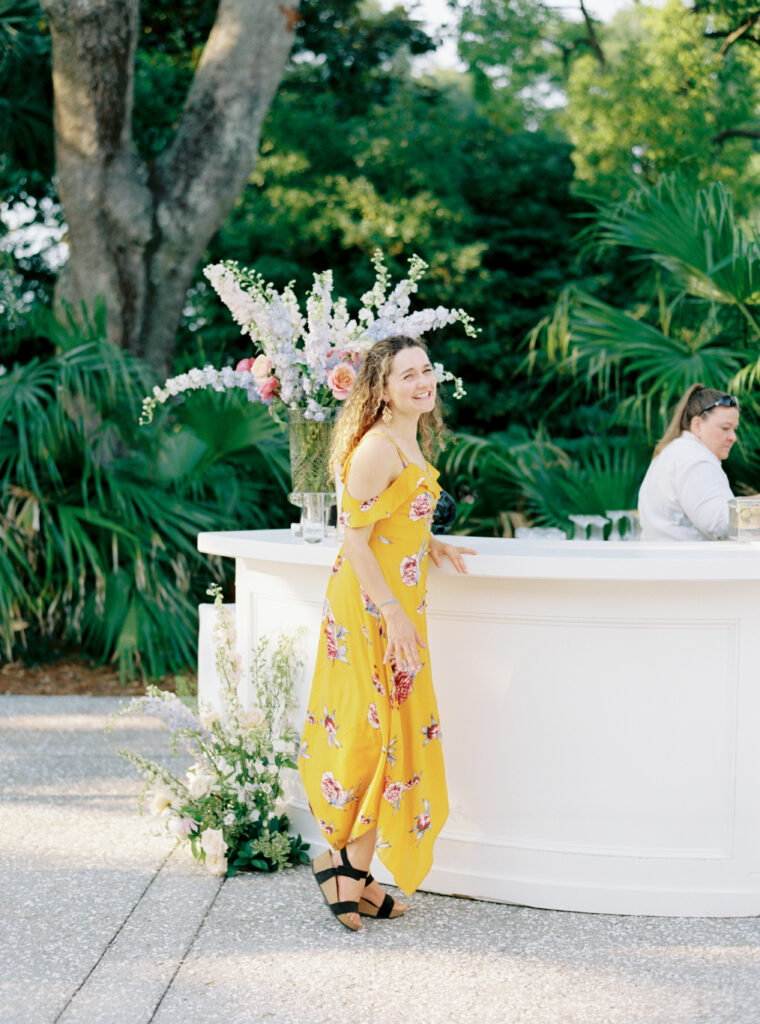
<point x="409" y="571"/>
<point x="261" y="367"/>
<point x="245" y="364"/>
<point x="423" y="822"/>
<point x="332" y="644"/>
<point x="267" y="386"/>
<point x="368" y="603"/>
<point x="422" y="507"/>
<point x="372" y="716"/>
<point x="393" y="792"/>
<point x="341" y="379"/>
<point x="403" y="681"/>
<point x="331" y="788"/>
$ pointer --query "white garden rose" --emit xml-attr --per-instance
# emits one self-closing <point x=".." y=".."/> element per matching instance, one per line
<point x="160" y="799"/>
<point x="198" y="783"/>
<point x="209" y="716"/>
<point x="216" y="865"/>
<point x="212" y="841"/>
<point x="251" y="718"/>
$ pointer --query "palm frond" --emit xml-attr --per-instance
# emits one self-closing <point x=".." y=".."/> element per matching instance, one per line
<point x="101" y="517"/>
<point x="603" y="346"/>
<point x="695" y="236"/>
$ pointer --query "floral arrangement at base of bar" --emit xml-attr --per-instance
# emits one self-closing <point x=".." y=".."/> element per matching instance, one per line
<point x="227" y="808"/>
<point x="308" y="363"/>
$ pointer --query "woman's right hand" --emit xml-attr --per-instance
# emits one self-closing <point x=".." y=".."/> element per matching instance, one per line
<point x="404" y="641"/>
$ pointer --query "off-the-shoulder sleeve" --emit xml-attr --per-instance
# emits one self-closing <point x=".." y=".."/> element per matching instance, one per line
<point x="355" y="513"/>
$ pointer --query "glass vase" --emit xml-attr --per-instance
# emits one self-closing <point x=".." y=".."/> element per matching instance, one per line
<point x="309" y="453"/>
<point x="313" y="489"/>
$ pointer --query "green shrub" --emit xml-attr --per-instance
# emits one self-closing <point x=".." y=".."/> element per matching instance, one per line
<point x="100" y="517"/>
<point x="505" y="478"/>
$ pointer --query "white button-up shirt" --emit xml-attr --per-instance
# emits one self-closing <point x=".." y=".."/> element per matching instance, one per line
<point x="685" y="493"/>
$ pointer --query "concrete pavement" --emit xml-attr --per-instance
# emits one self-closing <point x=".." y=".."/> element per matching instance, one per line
<point x="104" y="922"/>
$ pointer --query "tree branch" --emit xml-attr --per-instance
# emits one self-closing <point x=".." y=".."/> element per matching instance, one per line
<point x="732" y="133"/>
<point x="217" y="140"/>
<point x="731" y="36"/>
<point x="593" y="41"/>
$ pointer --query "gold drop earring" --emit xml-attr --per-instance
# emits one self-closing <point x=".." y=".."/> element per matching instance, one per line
<point x="387" y="415"/>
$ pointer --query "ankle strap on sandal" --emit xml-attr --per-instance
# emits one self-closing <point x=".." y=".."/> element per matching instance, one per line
<point x="347" y="869"/>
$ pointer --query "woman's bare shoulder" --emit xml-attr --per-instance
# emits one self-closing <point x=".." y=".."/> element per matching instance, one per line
<point x="374" y="466"/>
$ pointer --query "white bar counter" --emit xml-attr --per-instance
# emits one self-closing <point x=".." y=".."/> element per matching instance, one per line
<point x="600" y="706"/>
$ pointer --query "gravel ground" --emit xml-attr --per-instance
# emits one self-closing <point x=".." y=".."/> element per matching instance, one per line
<point x="104" y="922"/>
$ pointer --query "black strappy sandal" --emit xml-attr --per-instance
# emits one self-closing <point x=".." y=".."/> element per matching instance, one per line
<point x="386" y="909"/>
<point x="326" y="875"/>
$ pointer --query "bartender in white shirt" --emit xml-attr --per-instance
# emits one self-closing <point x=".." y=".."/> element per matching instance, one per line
<point x="685" y="493"/>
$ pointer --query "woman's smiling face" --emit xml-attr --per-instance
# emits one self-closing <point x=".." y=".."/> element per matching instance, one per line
<point x="717" y="430"/>
<point x="410" y="388"/>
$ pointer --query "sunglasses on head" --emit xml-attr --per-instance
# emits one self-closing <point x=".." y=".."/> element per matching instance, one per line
<point x="728" y="401"/>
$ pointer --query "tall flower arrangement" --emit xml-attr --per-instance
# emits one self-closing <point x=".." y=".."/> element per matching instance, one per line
<point x="226" y="807"/>
<point x="308" y="361"/>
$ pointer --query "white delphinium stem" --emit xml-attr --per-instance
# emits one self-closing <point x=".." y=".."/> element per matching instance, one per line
<point x="200" y="380"/>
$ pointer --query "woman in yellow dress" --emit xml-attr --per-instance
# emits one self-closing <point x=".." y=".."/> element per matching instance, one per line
<point x="370" y="758"/>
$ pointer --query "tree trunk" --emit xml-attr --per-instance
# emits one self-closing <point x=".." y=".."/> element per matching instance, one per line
<point x="136" y="235"/>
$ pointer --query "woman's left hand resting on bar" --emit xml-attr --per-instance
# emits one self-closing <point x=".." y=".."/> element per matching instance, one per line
<point x="440" y="549"/>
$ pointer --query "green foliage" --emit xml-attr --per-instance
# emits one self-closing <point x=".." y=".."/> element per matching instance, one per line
<point x="351" y="47"/>
<point x="272" y="850"/>
<point x="470" y="171"/>
<point x="700" y="322"/>
<point x="513" y="477"/>
<point x="161" y="84"/>
<point x="178" y="27"/>
<point x="695" y="236"/>
<point x="588" y="476"/>
<point x="100" y="519"/>
<point x="26" y="125"/>
<point x="518" y="53"/>
<point x="662" y="102"/>
<point x="26" y="159"/>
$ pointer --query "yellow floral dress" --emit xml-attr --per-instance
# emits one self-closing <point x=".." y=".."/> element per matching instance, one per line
<point x="371" y="747"/>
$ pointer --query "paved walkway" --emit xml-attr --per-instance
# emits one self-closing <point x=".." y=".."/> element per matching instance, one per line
<point x="104" y="923"/>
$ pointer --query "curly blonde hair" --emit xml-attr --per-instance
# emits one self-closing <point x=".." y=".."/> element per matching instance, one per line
<point x="363" y="405"/>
